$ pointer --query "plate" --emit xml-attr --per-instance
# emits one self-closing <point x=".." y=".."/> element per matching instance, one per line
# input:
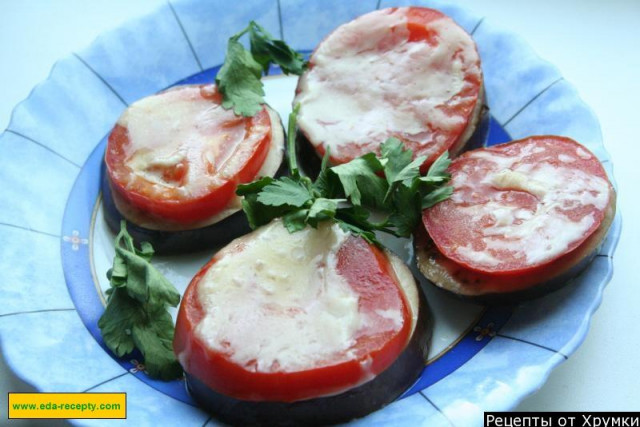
<point x="55" y="247"/>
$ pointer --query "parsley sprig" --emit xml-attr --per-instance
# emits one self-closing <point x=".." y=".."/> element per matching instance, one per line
<point x="389" y="184"/>
<point x="239" y="78"/>
<point x="136" y="315"/>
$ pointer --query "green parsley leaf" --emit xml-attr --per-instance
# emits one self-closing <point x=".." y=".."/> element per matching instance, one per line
<point x="390" y="185"/>
<point x="154" y="339"/>
<point x="239" y="78"/>
<point x="355" y="219"/>
<point x="322" y="209"/>
<point x="116" y="322"/>
<point x="406" y="212"/>
<point x="433" y="179"/>
<point x="254" y="187"/>
<point x="398" y="166"/>
<point x="117" y="274"/>
<point x="327" y="184"/>
<point x="437" y="196"/>
<point x="437" y="176"/>
<point x="366" y="234"/>
<point x="438" y="169"/>
<point x="285" y="192"/>
<point x="396" y="158"/>
<point x="265" y="50"/>
<point x="127" y="325"/>
<point x="410" y="172"/>
<point x="325" y="207"/>
<point x="360" y="181"/>
<point x="136" y="314"/>
<point x="145" y="283"/>
<point x="257" y="213"/>
<point x="295" y="220"/>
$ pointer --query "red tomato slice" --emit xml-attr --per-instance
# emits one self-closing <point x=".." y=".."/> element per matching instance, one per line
<point x="178" y="155"/>
<point x="368" y="273"/>
<point x="520" y="206"/>
<point x="418" y="19"/>
<point x="410" y="73"/>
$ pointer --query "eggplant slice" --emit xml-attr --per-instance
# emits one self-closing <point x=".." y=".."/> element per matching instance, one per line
<point x="321" y="409"/>
<point x="462" y="283"/>
<point x="167" y="242"/>
<point x="354" y="403"/>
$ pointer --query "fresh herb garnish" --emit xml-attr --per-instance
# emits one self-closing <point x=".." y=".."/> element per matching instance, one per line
<point x="239" y="78"/>
<point x="390" y="185"/>
<point x="136" y="315"/>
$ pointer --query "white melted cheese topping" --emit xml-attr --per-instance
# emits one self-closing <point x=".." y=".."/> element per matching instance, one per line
<point x="279" y="304"/>
<point x="368" y="82"/>
<point x="541" y="233"/>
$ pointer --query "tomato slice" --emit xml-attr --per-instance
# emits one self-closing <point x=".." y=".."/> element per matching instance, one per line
<point x="372" y="348"/>
<point x="178" y="156"/>
<point x="519" y="206"/>
<point x="507" y="288"/>
<point x="418" y="19"/>
<point x="410" y="73"/>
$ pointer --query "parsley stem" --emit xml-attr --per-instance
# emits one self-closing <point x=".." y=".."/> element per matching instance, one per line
<point x="291" y="142"/>
<point x="123" y="236"/>
<point x="237" y="36"/>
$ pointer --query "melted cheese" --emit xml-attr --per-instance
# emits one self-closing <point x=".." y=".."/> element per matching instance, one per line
<point x="566" y="159"/>
<point x="279" y="304"/>
<point x="368" y="83"/>
<point x="508" y="179"/>
<point x="582" y="153"/>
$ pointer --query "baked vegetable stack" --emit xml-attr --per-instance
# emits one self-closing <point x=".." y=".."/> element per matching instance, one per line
<point x="524" y="219"/>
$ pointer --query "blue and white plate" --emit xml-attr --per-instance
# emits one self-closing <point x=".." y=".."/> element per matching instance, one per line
<point x="56" y="248"/>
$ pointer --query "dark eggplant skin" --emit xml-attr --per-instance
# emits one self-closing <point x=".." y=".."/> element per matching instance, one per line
<point x="327" y="410"/>
<point x="309" y="161"/>
<point x="457" y="282"/>
<point x="183" y="241"/>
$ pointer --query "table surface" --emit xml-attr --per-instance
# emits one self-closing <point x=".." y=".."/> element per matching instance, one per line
<point x="593" y="43"/>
